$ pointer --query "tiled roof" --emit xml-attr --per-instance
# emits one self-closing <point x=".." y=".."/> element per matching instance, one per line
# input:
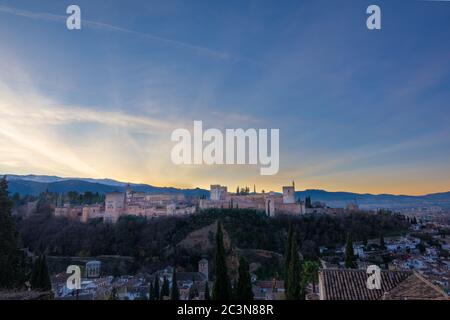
<point x="416" y="287"/>
<point x="349" y="284"/>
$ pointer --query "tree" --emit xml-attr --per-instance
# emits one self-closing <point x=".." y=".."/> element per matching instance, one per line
<point x="12" y="273"/>
<point x="382" y="244"/>
<point x="233" y="289"/>
<point x="40" y="278"/>
<point x="207" y="296"/>
<point x="365" y="241"/>
<point x="193" y="292"/>
<point x="310" y="271"/>
<point x="421" y="247"/>
<point x="175" y="293"/>
<point x="156" y="292"/>
<point x="287" y="256"/>
<point x="165" y="290"/>
<point x="151" y="292"/>
<point x="350" y="259"/>
<point x="222" y="285"/>
<point x="294" y="290"/>
<point x="244" y="286"/>
<point x="308" y="202"/>
<point x="113" y="295"/>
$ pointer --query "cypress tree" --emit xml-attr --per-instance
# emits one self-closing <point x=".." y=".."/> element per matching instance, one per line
<point x="193" y="292"/>
<point x="365" y="241"/>
<point x="35" y="272"/>
<point x="222" y="285"/>
<point x="294" y="290"/>
<point x="308" y="202"/>
<point x="350" y="259"/>
<point x="382" y="244"/>
<point x="175" y="293"/>
<point x="287" y="256"/>
<point x="244" y="286"/>
<point x="165" y="290"/>
<point x="207" y="296"/>
<point x="233" y="290"/>
<point x="151" y="292"/>
<point x="40" y="278"/>
<point x="12" y="273"/>
<point x="156" y="292"/>
<point x="46" y="283"/>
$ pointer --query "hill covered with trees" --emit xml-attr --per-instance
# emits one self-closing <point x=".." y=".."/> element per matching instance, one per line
<point x="155" y="241"/>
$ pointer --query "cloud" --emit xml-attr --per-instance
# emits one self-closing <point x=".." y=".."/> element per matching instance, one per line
<point x="40" y="134"/>
<point x="109" y="27"/>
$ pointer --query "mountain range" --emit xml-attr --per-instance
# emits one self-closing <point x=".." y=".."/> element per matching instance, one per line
<point x="36" y="184"/>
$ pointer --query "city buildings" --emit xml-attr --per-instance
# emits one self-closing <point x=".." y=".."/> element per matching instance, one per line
<point x="271" y="203"/>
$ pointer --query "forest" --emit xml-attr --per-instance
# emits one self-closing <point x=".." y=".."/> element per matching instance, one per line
<point x="154" y="241"/>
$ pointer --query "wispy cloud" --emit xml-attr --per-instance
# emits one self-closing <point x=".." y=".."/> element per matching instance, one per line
<point x="42" y="16"/>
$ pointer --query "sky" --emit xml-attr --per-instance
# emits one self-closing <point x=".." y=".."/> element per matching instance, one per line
<point x="358" y="110"/>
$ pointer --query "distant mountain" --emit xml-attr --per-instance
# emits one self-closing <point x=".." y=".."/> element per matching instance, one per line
<point x="50" y="179"/>
<point x="36" y="184"/>
<point x="371" y="201"/>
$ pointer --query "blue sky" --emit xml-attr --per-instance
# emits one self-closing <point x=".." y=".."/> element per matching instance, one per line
<point x="358" y="110"/>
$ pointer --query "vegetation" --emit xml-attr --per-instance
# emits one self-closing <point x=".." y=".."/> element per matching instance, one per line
<point x="12" y="260"/>
<point x="156" y="291"/>
<point x="140" y="237"/>
<point x="244" y="285"/>
<point x="207" y="296"/>
<point x="165" y="289"/>
<point x="293" y="288"/>
<point x="175" y="292"/>
<point x="287" y="256"/>
<point x="350" y="259"/>
<point x="152" y="243"/>
<point x="40" y="278"/>
<point x="311" y="273"/>
<point x="222" y="285"/>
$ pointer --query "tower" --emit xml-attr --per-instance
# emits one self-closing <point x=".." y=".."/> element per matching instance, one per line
<point x="289" y="194"/>
<point x="203" y="268"/>
<point x="128" y="194"/>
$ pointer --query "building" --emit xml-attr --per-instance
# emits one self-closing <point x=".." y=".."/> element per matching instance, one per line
<point x="351" y="284"/>
<point x="203" y="268"/>
<point x="187" y="280"/>
<point x="130" y="203"/>
<point x="93" y="269"/>
<point x="289" y="194"/>
<point x="114" y="206"/>
<point x="218" y="192"/>
<point x="272" y="203"/>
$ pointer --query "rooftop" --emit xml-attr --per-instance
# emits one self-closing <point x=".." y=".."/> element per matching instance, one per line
<point x="349" y="284"/>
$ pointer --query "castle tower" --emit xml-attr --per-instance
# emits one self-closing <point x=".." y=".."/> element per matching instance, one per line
<point x="114" y="206"/>
<point x="289" y="194"/>
<point x="203" y="268"/>
<point x="270" y="205"/>
<point x="218" y="192"/>
<point x="128" y="194"/>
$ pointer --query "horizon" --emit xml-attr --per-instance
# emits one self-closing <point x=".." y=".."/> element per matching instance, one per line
<point x="206" y="188"/>
<point x="357" y="109"/>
